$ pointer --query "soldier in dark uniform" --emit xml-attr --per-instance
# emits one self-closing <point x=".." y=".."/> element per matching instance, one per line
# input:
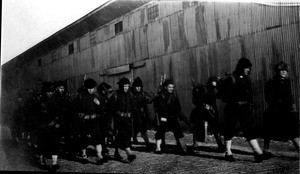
<point x="48" y="130"/>
<point x="239" y="109"/>
<point x="281" y="119"/>
<point x="124" y="106"/>
<point x="206" y="110"/>
<point x="90" y="110"/>
<point x="18" y="120"/>
<point x="33" y="105"/>
<point x="63" y="106"/>
<point x="196" y="117"/>
<point x="105" y="91"/>
<point x="169" y="110"/>
<point x="141" y="115"/>
<point x="77" y="123"/>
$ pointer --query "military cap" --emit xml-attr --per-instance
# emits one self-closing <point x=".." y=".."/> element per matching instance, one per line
<point x="137" y="82"/>
<point x="168" y="81"/>
<point x="281" y="66"/>
<point x="244" y="63"/>
<point x="90" y="83"/>
<point x="48" y="87"/>
<point x="60" y="83"/>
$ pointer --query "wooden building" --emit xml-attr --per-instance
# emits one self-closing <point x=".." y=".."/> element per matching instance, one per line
<point x="182" y="39"/>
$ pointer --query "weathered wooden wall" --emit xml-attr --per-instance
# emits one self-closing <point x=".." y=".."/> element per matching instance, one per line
<point x="186" y="40"/>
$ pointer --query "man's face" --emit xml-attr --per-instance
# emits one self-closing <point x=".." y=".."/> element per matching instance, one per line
<point x="61" y="89"/>
<point x="170" y="88"/>
<point x="49" y="94"/>
<point x="109" y="92"/>
<point x="283" y="73"/>
<point x="138" y="88"/>
<point x="91" y="91"/>
<point x="214" y="83"/>
<point x="247" y="71"/>
<point x="126" y="87"/>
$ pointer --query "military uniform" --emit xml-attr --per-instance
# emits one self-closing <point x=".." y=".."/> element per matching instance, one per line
<point x="124" y="107"/>
<point x="92" y="118"/>
<point x="48" y="130"/>
<point x="141" y="116"/>
<point x="239" y="110"/>
<point x="281" y="119"/>
<point x="169" y="111"/>
<point x="63" y="106"/>
<point x="18" y="124"/>
<point x="204" y="98"/>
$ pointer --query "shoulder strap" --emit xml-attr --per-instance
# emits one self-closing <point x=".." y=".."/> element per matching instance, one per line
<point x="233" y="79"/>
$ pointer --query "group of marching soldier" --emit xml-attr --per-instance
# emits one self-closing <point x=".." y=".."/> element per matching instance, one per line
<point x="100" y="116"/>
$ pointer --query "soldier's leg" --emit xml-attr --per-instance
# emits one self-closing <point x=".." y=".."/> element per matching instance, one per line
<point x="135" y="129"/>
<point x="229" y="133"/>
<point x="144" y="133"/>
<point x="130" y="156"/>
<point x="213" y="122"/>
<point x="230" y="124"/>
<point x="178" y="134"/>
<point x="159" y="138"/>
<point x="53" y="147"/>
<point x="100" y="159"/>
<point x="146" y="138"/>
<point x="296" y="143"/>
<point x="248" y="127"/>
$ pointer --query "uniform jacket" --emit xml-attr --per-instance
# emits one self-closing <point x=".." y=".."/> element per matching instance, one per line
<point x="168" y="105"/>
<point x="278" y="92"/>
<point x="124" y="102"/>
<point x="141" y="103"/>
<point x="240" y="89"/>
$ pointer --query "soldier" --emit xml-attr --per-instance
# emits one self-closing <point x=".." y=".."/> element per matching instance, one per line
<point x="78" y="123"/>
<point x="281" y="119"/>
<point x="33" y="105"/>
<point x="141" y="115"/>
<point x="239" y="109"/>
<point x="18" y="120"/>
<point x="63" y="103"/>
<point x="124" y="106"/>
<point x="169" y="110"/>
<point x="204" y="98"/>
<point x="105" y="91"/>
<point x="48" y="131"/>
<point x="91" y="112"/>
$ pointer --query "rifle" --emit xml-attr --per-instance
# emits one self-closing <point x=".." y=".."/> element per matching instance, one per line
<point x="162" y="80"/>
<point x="193" y="83"/>
<point x="185" y="119"/>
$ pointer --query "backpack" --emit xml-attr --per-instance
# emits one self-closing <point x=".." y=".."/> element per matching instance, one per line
<point x="198" y="94"/>
<point x="224" y="87"/>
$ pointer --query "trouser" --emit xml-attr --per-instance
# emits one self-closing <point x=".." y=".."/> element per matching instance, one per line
<point x="242" y="114"/>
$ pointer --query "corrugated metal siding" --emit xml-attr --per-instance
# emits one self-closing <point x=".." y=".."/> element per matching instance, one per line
<point x="187" y="40"/>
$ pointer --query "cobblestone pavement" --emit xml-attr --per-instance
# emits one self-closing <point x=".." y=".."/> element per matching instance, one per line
<point x="206" y="159"/>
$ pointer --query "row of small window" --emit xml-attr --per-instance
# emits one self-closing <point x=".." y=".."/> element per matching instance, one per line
<point x="152" y="13"/>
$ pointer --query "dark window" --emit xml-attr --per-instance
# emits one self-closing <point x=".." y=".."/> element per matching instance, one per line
<point x="78" y="45"/>
<point x="118" y="27"/>
<point x="39" y="62"/>
<point x="93" y="38"/>
<point x="152" y="12"/>
<point x="194" y="3"/>
<point x="71" y="48"/>
<point x="53" y="56"/>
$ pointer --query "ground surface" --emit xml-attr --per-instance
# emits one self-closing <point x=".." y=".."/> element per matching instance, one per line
<point x="206" y="159"/>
